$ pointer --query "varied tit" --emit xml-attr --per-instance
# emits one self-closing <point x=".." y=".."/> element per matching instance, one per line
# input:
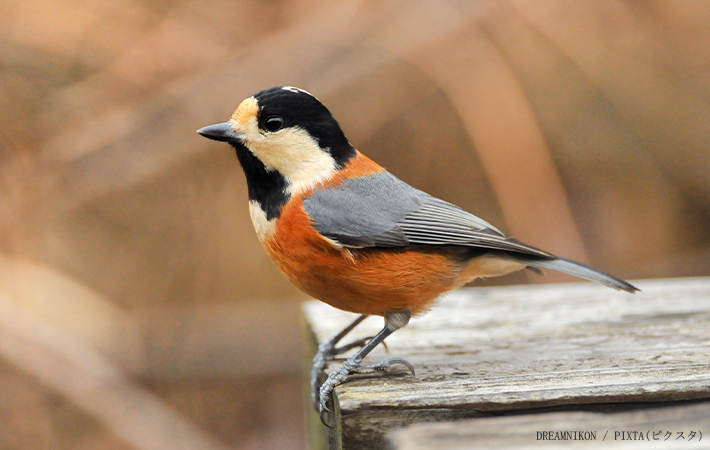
<point x="351" y="234"/>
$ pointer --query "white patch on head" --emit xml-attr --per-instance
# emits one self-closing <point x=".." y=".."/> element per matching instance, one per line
<point x="296" y="90"/>
<point x="264" y="228"/>
<point x="291" y="151"/>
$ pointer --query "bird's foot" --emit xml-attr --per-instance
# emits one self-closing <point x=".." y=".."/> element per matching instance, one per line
<point x="349" y="367"/>
<point x="327" y="352"/>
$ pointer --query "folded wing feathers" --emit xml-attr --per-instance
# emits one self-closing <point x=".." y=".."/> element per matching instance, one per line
<point x="440" y="223"/>
<point x="356" y="214"/>
<point x="439" y="211"/>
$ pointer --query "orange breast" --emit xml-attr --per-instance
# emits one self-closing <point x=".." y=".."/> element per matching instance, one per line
<point x="365" y="281"/>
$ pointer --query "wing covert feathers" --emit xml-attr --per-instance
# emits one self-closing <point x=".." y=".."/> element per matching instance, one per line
<point x="380" y="210"/>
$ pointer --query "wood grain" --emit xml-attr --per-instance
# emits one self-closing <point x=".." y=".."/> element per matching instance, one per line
<point x="493" y="351"/>
<point x="669" y="427"/>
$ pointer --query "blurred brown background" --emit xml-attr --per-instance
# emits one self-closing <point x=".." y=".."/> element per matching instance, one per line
<point x="137" y="309"/>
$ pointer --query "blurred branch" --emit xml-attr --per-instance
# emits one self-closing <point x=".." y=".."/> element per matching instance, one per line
<point x="200" y="340"/>
<point x="93" y="383"/>
<point x="126" y="145"/>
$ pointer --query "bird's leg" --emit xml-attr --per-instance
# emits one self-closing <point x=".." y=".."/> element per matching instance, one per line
<point x="327" y="352"/>
<point x="393" y="322"/>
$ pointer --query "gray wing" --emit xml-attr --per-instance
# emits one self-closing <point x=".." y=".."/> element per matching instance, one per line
<point x="380" y="210"/>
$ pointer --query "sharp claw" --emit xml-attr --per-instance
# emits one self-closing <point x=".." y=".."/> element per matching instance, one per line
<point x="325" y="412"/>
<point x="324" y="419"/>
<point x="403" y="362"/>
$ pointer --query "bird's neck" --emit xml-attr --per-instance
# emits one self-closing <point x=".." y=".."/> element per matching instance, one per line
<point x="267" y="188"/>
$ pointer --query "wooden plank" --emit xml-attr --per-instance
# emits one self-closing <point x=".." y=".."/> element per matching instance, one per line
<point x="503" y="350"/>
<point x="669" y="427"/>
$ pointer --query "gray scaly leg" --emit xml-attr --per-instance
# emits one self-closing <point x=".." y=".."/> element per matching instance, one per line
<point x="393" y="322"/>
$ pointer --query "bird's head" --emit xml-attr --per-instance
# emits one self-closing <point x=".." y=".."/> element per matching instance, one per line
<point x="285" y="139"/>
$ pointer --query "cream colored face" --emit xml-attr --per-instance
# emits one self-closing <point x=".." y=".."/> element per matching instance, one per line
<point x="292" y="151"/>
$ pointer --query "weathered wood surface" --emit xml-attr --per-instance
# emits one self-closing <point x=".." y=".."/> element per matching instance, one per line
<point x="670" y="427"/>
<point x="493" y="351"/>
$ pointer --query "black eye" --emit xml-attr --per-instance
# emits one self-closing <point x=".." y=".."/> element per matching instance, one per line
<point x="273" y="123"/>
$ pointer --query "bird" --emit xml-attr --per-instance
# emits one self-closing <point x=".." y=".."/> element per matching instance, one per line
<point x="351" y="234"/>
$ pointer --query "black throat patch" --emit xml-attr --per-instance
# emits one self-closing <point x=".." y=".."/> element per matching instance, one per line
<point x="267" y="187"/>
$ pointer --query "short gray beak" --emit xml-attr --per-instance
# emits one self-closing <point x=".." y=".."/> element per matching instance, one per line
<point x="220" y="132"/>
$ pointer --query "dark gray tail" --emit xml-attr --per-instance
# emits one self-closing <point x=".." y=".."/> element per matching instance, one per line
<point x="579" y="270"/>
